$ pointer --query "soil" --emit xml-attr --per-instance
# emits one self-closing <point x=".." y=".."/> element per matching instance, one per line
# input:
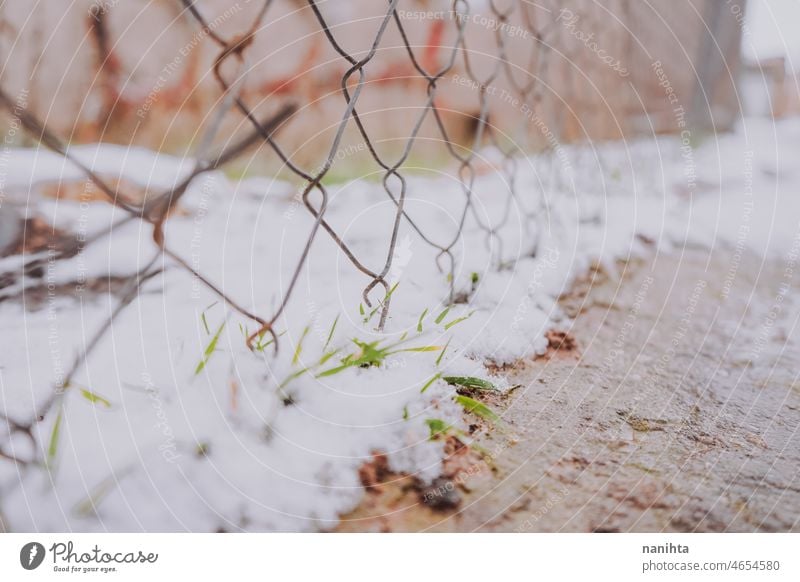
<point x="671" y="402"/>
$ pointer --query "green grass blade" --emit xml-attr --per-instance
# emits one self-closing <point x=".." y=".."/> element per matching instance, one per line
<point x="371" y="314"/>
<point x="416" y="349"/>
<point x="212" y="345"/>
<point x="55" y="435"/>
<point x="421" y="318"/>
<point x="299" y="348"/>
<point x="327" y="356"/>
<point x="261" y="346"/>
<point x="478" y="408"/>
<point x="469" y="382"/>
<point x="332" y="371"/>
<point x="457" y="321"/>
<point x="441" y="355"/>
<point x="293" y="376"/>
<point x="330" y="334"/>
<point x="390" y="292"/>
<point x="437" y="427"/>
<point x="203" y="317"/>
<point x="442" y="315"/>
<point x="95" y="398"/>
<point x="431" y="381"/>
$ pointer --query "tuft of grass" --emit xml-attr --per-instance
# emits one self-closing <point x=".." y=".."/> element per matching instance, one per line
<point x="372" y="354"/>
<point x="469" y="382"/>
<point x="212" y="346"/>
<point x="326" y="356"/>
<point x="95" y="398"/>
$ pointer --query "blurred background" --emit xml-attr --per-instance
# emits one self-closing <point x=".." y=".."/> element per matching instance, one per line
<point x="139" y="72"/>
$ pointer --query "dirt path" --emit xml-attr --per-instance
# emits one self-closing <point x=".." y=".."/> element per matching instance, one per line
<point x="678" y="411"/>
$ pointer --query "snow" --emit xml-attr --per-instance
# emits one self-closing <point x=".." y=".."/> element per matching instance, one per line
<point x="138" y="165"/>
<point x="236" y="447"/>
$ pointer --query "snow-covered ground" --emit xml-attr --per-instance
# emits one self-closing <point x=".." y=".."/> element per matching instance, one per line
<point x="173" y="424"/>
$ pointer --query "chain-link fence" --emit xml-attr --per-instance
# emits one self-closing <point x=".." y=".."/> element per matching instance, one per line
<point x="399" y="84"/>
